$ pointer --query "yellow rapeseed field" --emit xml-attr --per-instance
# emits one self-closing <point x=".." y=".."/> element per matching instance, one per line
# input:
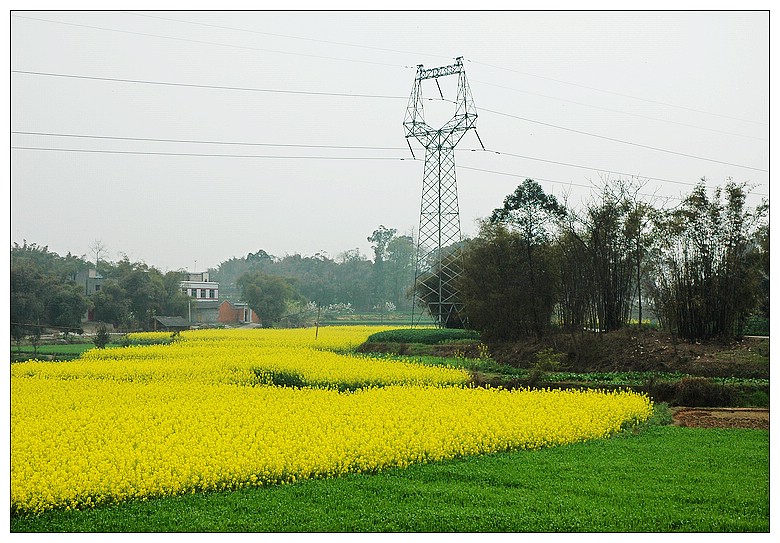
<point x="198" y="414"/>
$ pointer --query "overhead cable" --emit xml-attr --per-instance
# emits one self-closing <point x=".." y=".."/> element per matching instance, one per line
<point x="349" y="147"/>
<point x="160" y="153"/>
<point x="417" y="53"/>
<point x="591" y="134"/>
<point x="618" y="94"/>
<point x="202" y="42"/>
<point x="621" y="112"/>
<point x="209" y="25"/>
<point x="315" y="93"/>
<point x="208" y="142"/>
<point x="219" y="87"/>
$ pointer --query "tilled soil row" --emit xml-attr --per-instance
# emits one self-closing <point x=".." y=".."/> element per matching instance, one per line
<point x="727" y="417"/>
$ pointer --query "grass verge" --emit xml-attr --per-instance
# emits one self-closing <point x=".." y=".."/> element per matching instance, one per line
<point x="661" y="479"/>
<point x="55" y="352"/>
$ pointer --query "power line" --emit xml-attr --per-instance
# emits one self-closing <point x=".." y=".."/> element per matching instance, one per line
<point x="362" y="61"/>
<point x="209" y="142"/>
<point x="566" y="183"/>
<point x="582" y="132"/>
<point x="472" y="61"/>
<point x="218" y="87"/>
<point x="594" y="169"/>
<point x="621" y="112"/>
<point x="350" y="147"/>
<point x="282" y="35"/>
<point x="587" y="167"/>
<point x="202" y="42"/>
<point x="618" y="94"/>
<point x="154" y="153"/>
<point x="484" y="170"/>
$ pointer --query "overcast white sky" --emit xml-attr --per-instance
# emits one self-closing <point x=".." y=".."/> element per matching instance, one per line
<point x="577" y="94"/>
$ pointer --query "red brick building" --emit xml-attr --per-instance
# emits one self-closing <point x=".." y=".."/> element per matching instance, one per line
<point x="238" y="312"/>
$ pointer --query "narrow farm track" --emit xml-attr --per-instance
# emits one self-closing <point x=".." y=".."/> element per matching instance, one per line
<point x="726" y="417"/>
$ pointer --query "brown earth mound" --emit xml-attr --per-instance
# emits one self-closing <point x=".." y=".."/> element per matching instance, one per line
<point x="646" y="350"/>
<point x="726" y="417"/>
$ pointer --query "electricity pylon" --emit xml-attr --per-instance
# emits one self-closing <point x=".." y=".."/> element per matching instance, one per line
<point x="439" y="260"/>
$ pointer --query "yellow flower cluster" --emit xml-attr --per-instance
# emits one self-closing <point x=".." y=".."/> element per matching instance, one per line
<point x="140" y="422"/>
<point x="248" y="357"/>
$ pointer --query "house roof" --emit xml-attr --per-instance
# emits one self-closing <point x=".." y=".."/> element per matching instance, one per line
<point x="234" y="305"/>
<point x="173" y="322"/>
<point x="205" y="304"/>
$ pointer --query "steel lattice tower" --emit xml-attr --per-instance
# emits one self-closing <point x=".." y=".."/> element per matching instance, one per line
<point x="439" y="259"/>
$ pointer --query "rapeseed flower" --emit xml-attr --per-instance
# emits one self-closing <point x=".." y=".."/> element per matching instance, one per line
<point x="196" y="415"/>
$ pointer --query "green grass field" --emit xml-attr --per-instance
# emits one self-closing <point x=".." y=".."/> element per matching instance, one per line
<point x="71" y="348"/>
<point x="58" y="352"/>
<point x="659" y="479"/>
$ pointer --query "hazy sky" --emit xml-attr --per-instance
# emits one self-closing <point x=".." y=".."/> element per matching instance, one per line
<point x="668" y="97"/>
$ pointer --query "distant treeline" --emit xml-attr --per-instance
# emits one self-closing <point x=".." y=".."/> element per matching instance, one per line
<point x="45" y="291"/>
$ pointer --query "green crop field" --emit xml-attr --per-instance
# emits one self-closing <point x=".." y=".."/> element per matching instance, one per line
<point x="662" y="479"/>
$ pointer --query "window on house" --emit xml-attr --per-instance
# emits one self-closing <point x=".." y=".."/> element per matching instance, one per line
<point x="212" y="293"/>
<point x="97" y="287"/>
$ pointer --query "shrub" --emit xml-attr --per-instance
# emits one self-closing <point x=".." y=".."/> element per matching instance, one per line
<point x="279" y="378"/>
<point x="756" y="326"/>
<point x="102" y="337"/>
<point x="758" y="398"/>
<point x="546" y="360"/>
<point x="662" y="415"/>
<point x="427" y="336"/>
<point x="704" y="392"/>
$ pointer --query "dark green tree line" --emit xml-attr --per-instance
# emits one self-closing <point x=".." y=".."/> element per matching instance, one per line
<point x="703" y="266"/>
<point x="349" y="278"/>
<point x="43" y="291"/>
<point x="709" y="274"/>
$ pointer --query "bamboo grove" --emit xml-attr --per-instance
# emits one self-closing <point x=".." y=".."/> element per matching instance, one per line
<point x="699" y="269"/>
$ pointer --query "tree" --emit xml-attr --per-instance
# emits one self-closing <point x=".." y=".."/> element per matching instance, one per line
<point x="66" y="306"/>
<point x="146" y="291"/>
<point x="267" y="295"/>
<point x="575" y="280"/>
<point x="99" y="250"/>
<point x="706" y="279"/>
<point x="28" y="304"/>
<point x="353" y="282"/>
<point x="112" y="304"/>
<point x="612" y="255"/>
<point x="495" y="286"/>
<point x="400" y="270"/>
<point x="315" y="276"/>
<point x="175" y="301"/>
<point x="532" y="215"/>
<point x="380" y="239"/>
<point x="762" y="243"/>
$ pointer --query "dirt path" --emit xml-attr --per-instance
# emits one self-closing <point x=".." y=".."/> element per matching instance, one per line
<point x="725" y="417"/>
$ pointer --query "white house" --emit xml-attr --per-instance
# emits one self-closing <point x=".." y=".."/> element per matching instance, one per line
<point x="205" y="304"/>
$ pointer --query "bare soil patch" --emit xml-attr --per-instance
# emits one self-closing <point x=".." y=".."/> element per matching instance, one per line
<point x="645" y="350"/>
<point x="724" y="417"/>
